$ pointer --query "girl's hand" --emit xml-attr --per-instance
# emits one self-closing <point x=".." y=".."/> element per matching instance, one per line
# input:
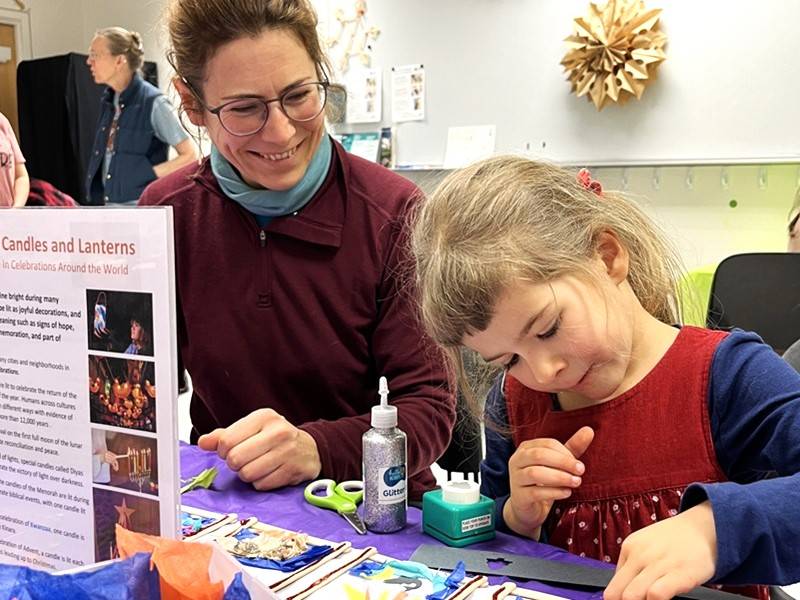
<point x="542" y="471"/>
<point x="265" y="450"/>
<point x="667" y="558"/>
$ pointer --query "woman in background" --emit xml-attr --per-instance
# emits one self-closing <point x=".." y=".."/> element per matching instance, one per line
<point x="137" y="124"/>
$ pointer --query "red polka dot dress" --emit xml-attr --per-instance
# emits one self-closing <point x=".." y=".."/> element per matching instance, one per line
<point x="650" y="444"/>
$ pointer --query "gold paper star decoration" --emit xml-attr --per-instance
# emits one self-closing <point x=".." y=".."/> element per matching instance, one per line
<point x="614" y="51"/>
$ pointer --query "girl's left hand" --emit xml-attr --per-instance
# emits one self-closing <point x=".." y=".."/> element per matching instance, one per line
<point x="667" y="558"/>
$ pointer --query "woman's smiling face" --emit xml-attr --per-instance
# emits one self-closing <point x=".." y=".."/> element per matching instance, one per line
<point x="276" y="157"/>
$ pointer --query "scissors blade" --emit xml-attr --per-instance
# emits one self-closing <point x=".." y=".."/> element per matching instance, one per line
<point x="355" y="521"/>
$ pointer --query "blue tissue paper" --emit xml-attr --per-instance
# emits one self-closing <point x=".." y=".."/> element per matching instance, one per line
<point x="129" y="579"/>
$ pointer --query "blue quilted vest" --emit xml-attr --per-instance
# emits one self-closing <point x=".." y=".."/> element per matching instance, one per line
<point x="136" y="148"/>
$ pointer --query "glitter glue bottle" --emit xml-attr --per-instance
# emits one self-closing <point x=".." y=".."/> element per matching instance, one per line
<point x="384" y="468"/>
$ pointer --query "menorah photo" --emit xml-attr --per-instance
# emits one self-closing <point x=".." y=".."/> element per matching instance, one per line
<point x="125" y="460"/>
<point x="140" y="466"/>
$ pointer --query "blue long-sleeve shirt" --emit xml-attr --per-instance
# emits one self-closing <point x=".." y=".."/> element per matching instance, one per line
<point x="754" y="407"/>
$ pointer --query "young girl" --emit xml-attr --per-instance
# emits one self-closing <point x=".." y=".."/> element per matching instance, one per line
<point x="610" y="423"/>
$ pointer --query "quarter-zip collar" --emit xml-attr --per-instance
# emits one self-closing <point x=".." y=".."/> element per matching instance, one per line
<point x="318" y="223"/>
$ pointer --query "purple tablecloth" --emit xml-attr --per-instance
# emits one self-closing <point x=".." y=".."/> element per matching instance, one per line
<point x="286" y="508"/>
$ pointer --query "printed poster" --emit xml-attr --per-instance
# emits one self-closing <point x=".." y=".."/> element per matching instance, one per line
<point x="88" y="382"/>
<point x="364" y="95"/>
<point x="408" y="93"/>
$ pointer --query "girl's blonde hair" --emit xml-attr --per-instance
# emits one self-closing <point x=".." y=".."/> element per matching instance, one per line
<point x="508" y="218"/>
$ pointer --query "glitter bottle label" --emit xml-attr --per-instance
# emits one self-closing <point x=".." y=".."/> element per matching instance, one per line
<point x="392" y="485"/>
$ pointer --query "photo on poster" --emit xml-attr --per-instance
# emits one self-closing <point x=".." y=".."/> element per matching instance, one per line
<point x="131" y="512"/>
<point x="125" y="460"/>
<point x="120" y="321"/>
<point x="122" y="393"/>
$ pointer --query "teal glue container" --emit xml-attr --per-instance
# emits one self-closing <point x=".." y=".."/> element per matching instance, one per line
<point x="457" y="514"/>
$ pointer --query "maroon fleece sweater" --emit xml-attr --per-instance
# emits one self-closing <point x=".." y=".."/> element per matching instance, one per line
<point x="304" y="315"/>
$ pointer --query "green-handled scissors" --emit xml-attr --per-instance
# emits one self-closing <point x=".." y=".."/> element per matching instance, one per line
<point x="343" y="498"/>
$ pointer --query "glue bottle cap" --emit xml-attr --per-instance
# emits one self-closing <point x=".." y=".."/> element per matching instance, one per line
<point x="384" y="415"/>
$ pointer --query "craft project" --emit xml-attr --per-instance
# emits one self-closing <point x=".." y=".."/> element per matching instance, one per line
<point x="394" y="579"/>
<point x="393" y="587"/>
<point x="265" y="542"/>
<point x="200" y="524"/>
<point x="494" y="592"/>
<point x="337" y="551"/>
<point x="468" y="586"/>
<point x="352" y="559"/>
<point x="614" y="52"/>
<point x="204" y="479"/>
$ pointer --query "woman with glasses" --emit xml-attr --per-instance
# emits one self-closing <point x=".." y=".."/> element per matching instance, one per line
<point x="290" y="256"/>
<point x="137" y="124"/>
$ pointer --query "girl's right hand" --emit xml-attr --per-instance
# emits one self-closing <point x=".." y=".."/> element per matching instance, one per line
<point x="542" y="471"/>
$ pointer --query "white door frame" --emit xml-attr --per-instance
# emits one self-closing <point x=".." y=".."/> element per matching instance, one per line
<point x="21" y="22"/>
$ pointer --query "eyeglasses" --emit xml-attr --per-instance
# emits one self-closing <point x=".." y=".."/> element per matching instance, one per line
<point x="96" y="55"/>
<point x="247" y="116"/>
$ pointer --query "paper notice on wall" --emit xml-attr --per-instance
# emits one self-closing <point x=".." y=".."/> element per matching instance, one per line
<point x="468" y="144"/>
<point x="88" y="434"/>
<point x="364" y="95"/>
<point x="408" y="93"/>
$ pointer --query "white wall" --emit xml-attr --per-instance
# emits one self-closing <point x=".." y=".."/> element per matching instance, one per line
<point x="56" y="26"/>
<point x="61" y="26"/>
<point x="727" y="89"/>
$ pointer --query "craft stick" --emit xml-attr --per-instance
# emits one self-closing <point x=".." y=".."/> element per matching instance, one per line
<point x="468" y="586"/>
<point x="227" y="526"/>
<point x="534" y="595"/>
<point x="337" y="550"/>
<point x="504" y="590"/>
<point x="326" y="579"/>
<point x="118" y="456"/>
<point x="235" y="527"/>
